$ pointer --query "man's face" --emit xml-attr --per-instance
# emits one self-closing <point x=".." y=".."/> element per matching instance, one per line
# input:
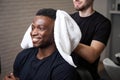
<point x="81" y="5"/>
<point x="42" y="31"/>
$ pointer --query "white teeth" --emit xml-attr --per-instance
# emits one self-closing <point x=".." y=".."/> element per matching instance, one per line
<point x="35" y="39"/>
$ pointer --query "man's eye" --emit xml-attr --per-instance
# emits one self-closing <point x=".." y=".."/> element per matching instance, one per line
<point x="41" y="28"/>
<point x="33" y="27"/>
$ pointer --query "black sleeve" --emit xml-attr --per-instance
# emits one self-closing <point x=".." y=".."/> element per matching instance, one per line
<point x="103" y="32"/>
<point x="63" y="72"/>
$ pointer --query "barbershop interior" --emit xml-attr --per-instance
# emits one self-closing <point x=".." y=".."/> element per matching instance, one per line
<point x="16" y="16"/>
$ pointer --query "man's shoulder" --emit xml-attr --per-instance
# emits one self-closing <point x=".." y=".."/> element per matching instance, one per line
<point x="75" y="14"/>
<point x="62" y="64"/>
<point x="101" y="16"/>
<point x="65" y="71"/>
<point x="59" y="61"/>
<point x="26" y="52"/>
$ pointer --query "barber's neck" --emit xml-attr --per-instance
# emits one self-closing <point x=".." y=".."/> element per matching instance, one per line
<point x="85" y="13"/>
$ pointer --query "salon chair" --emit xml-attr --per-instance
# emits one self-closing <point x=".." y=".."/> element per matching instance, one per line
<point x="112" y="68"/>
<point x="84" y="74"/>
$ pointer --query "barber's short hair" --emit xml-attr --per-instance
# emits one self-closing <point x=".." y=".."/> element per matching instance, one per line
<point x="49" y="12"/>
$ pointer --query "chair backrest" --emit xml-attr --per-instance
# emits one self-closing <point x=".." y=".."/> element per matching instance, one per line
<point x="84" y="74"/>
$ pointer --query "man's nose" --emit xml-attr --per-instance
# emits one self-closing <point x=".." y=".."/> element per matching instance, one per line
<point x="35" y="32"/>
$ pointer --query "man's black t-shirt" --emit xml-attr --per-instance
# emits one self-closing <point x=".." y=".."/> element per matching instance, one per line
<point x="93" y="27"/>
<point x="53" y="67"/>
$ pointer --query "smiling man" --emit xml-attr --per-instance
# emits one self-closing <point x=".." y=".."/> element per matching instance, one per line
<point x="43" y="61"/>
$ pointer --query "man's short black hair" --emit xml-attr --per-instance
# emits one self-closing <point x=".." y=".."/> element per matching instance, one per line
<point x="49" y="12"/>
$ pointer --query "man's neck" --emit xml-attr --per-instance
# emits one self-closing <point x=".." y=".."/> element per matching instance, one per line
<point x="87" y="12"/>
<point x="46" y="52"/>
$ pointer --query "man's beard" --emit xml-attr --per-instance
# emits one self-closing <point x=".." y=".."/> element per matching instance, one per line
<point x="84" y="7"/>
<point x="80" y="9"/>
<point x="46" y="44"/>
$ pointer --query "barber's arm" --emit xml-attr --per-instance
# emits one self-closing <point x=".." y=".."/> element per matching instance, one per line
<point x="90" y="53"/>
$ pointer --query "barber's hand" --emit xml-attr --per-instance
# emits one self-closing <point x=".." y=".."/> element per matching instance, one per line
<point x="10" y="77"/>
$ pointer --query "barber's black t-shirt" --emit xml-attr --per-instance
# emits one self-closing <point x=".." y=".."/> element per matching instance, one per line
<point x="94" y="27"/>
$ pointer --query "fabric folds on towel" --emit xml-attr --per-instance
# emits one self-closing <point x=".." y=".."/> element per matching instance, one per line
<point x="66" y="35"/>
<point x="27" y="40"/>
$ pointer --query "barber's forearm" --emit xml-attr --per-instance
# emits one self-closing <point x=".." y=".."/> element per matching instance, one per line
<point x="89" y="53"/>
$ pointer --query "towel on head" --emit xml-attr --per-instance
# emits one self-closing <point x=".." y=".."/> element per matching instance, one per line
<point x="27" y="40"/>
<point x="67" y="35"/>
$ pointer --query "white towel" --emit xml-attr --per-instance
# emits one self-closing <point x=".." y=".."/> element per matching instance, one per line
<point x="66" y="34"/>
<point x="27" y="40"/>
